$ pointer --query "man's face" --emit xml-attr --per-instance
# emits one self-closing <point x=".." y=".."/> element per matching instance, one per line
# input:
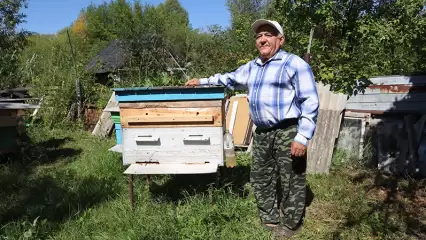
<point x="268" y="41"/>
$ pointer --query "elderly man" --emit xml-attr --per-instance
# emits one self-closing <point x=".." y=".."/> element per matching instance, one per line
<point x="283" y="105"/>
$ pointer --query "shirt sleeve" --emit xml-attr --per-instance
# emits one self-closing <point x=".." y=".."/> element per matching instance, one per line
<point x="233" y="80"/>
<point x="307" y="99"/>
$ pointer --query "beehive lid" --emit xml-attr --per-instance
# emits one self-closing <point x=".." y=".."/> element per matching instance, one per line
<point x="15" y="106"/>
<point x="179" y="93"/>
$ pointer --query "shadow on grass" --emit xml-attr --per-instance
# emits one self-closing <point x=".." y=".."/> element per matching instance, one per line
<point x="399" y="206"/>
<point x="55" y="198"/>
<point x="53" y="150"/>
<point x="52" y="193"/>
<point x="39" y="153"/>
<point x="309" y="196"/>
<point x="231" y="180"/>
<point x="178" y="187"/>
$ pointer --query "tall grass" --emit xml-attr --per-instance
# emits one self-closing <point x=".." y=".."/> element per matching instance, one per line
<point x="65" y="184"/>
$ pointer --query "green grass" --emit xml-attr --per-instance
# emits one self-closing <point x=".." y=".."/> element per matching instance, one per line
<point x="67" y="185"/>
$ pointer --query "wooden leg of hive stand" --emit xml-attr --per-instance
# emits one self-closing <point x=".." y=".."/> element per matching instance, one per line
<point x="148" y="180"/>
<point x="131" y="191"/>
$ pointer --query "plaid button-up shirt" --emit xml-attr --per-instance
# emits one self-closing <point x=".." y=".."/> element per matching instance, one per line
<point x="281" y="88"/>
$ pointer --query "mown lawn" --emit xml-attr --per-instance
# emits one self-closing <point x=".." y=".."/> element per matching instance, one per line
<point x="67" y="185"/>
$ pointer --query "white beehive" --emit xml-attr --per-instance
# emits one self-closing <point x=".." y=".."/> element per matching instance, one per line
<point x="172" y="130"/>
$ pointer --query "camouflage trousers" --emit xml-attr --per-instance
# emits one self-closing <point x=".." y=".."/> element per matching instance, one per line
<point x="278" y="179"/>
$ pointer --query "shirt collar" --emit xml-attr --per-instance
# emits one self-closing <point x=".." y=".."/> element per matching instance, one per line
<point x="277" y="56"/>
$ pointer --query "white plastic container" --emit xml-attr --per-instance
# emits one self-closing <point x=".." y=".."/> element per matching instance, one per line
<point x="228" y="145"/>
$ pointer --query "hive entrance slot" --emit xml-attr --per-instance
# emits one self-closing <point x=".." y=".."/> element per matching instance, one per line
<point x="147" y="140"/>
<point x="196" y="139"/>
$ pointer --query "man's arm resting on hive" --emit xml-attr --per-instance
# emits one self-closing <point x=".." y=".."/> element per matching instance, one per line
<point x="233" y="80"/>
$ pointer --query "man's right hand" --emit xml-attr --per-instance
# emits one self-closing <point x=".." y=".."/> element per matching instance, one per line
<point x="193" y="82"/>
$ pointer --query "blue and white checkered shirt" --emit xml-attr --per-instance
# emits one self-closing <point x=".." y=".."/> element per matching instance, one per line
<point x="281" y="88"/>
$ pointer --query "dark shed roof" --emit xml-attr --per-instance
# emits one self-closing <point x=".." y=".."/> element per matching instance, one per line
<point x="119" y="51"/>
<point x="110" y="58"/>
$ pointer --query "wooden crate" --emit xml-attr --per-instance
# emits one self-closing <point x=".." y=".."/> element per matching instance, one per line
<point x="172" y="130"/>
<point x="91" y="116"/>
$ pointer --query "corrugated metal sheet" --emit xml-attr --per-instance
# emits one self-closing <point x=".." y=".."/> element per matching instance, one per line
<point x="399" y="80"/>
<point x="397" y="88"/>
<point x="405" y="94"/>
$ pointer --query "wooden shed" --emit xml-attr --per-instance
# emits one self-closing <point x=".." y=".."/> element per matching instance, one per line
<point x="387" y="120"/>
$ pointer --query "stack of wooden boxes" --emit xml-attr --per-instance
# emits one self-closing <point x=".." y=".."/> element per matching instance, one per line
<point x="12" y="123"/>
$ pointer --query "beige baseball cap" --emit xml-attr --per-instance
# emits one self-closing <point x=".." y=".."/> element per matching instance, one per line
<point x="272" y="23"/>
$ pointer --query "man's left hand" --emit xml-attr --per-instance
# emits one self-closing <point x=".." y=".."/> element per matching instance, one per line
<point x="298" y="149"/>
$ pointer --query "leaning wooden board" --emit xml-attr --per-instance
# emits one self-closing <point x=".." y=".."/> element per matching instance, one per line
<point x="238" y="112"/>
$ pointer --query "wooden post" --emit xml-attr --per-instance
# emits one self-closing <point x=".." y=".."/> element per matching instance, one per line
<point x="77" y="82"/>
<point x="148" y="180"/>
<point x="307" y="56"/>
<point x="131" y="191"/>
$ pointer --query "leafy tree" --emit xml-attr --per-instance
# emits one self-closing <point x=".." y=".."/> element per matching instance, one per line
<point x="243" y="14"/>
<point x="176" y="23"/>
<point x="79" y="26"/>
<point x="12" y="41"/>
<point x="354" y="40"/>
<point x="217" y="57"/>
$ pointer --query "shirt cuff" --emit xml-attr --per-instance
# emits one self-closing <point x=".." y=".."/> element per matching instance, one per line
<point x="204" y="81"/>
<point x="301" y="139"/>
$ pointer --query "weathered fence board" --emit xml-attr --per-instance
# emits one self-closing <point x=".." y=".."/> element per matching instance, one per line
<point x="320" y="149"/>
